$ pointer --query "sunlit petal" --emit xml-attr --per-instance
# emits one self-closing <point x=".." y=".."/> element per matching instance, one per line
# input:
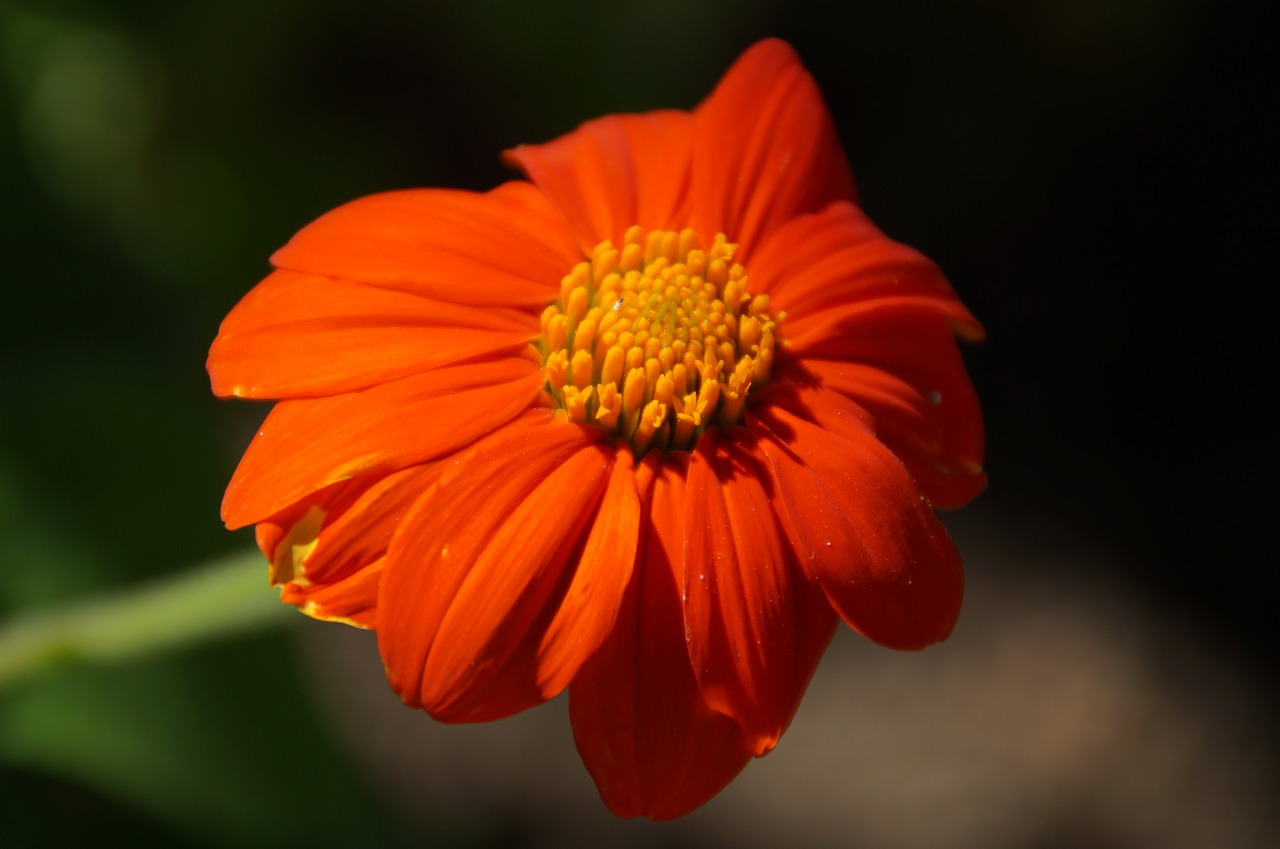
<point x="308" y="444"/>
<point x="765" y="148"/>
<point x="614" y="172"/>
<point x="508" y="247"/>
<point x="298" y="335"/>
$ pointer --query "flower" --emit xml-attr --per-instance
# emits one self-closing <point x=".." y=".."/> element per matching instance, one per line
<point x="645" y="426"/>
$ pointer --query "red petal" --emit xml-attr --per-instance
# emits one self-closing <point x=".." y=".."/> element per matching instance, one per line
<point x="857" y="523"/>
<point x="643" y="730"/>
<point x="885" y="318"/>
<point x="933" y="427"/>
<point x="614" y="172"/>
<point x="508" y="247"/>
<point x="765" y="149"/>
<point x="300" y="334"/>
<point x="479" y="565"/>
<point x="327" y="551"/>
<point x="590" y="607"/>
<point x="869" y="331"/>
<point x="838" y="258"/>
<point x="756" y="633"/>
<point x="898" y="359"/>
<point x="352" y="600"/>
<point x="308" y="444"/>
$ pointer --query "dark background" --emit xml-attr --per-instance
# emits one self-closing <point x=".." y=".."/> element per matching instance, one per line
<point x="1097" y="179"/>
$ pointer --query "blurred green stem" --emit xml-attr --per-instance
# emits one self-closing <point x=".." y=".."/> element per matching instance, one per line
<point x="217" y="599"/>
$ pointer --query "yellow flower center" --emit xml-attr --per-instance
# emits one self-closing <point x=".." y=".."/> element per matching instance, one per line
<point x="658" y="340"/>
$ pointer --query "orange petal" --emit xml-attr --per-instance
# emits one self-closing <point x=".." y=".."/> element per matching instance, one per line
<point x="508" y="247"/>
<point x="838" y="257"/>
<point x="299" y="334"/>
<point x="857" y="523"/>
<point x="590" y="606"/>
<point x="931" y="422"/>
<point x="352" y="600"/>
<point x="755" y="631"/>
<point x="479" y="566"/>
<point x="307" y="444"/>
<point x="864" y="331"/>
<point x="643" y="730"/>
<point x="765" y="148"/>
<point x="327" y="551"/>
<point x="614" y="172"/>
<point x="875" y="321"/>
<point x="898" y="359"/>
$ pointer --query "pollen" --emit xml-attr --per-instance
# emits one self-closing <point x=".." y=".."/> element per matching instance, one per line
<point x="657" y="340"/>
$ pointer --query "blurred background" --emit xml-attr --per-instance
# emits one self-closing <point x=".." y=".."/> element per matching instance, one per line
<point x="1096" y="178"/>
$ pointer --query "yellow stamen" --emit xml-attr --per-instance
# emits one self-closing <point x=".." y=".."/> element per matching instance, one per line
<point x="658" y="340"/>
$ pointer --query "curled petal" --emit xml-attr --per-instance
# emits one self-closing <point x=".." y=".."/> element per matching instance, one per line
<point x="327" y="551"/>
<point x="508" y="247"/>
<point x="614" y="172"/>
<point x="857" y="523"/>
<point x="307" y="444"/>
<point x="351" y="600"/>
<point x="480" y="566"/>
<point x="299" y="334"/>
<point x="646" y="735"/>
<point x="765" y="148"/>
<point x="755" y="631"/>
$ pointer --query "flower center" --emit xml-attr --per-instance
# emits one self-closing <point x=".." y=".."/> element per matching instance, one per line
<point x="658" y="340"/>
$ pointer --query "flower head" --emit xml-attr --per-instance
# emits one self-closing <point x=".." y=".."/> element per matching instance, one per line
<point x="645" y="426"/>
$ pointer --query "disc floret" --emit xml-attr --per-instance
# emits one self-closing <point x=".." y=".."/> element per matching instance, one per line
<point x="657" y="340"/>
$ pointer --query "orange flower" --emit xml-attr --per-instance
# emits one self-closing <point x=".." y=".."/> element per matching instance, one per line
<point x="644" y="427"/>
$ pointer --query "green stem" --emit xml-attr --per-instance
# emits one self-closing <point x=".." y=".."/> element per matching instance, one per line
<point x="217" y="599"/>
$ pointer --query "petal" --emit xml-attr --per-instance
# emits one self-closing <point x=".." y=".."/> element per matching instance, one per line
<point x="888" y="329"/>
<point x="837" y="257"/>
<point x="508" y="247"/>
<point x="299" y="334"/>
<point x="765" y="148"/>
<point x="755" y="631"/>
<point x="933" y="427"/>
<point x="479" y="566"/>
<point x="649" y="740"/>
<point x="898" y="359"/>
<point x="875" y="321"/>
<point x="856" y="521"/>
<point x="590" y="607"/>
<point x="307" y="444"/>
<point x="352" y="600"/>
<point x="614" y="172"/>
<point x="327" y="551"/>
